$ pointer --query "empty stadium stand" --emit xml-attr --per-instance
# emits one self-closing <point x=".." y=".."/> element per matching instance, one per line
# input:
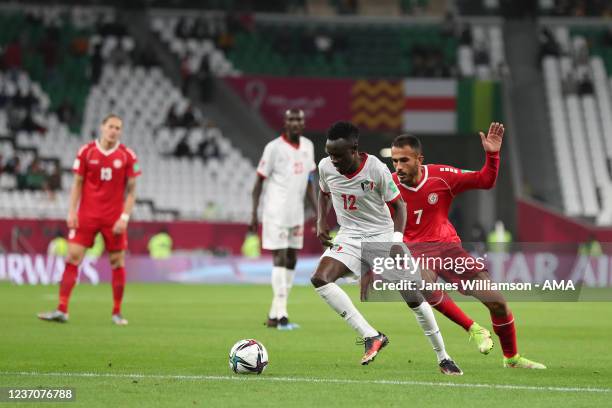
<point x="210" y="180"/>
<point x="579" y="93"/>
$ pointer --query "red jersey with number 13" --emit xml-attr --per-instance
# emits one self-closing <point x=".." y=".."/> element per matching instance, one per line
<point x="105" y="175"/>
<point x="429" y="201"/>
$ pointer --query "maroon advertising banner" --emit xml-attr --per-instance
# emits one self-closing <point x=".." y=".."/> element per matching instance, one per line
<point x="33" y="236"/>
<point x="552" y="226"/>
<point x="324" y="101"/>
<point x="537" y="272"/>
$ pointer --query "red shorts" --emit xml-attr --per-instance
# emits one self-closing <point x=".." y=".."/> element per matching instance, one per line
<point x="86" y="233"/>
<point x="447" y="260"/>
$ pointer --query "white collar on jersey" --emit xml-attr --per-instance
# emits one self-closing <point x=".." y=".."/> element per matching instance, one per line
<point x="417" y="188"/>
<point x="109" y="151"/>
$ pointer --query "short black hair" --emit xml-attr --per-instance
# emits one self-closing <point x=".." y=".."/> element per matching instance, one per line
<point x="408" y="140"/>
<point x="343" y="130"/>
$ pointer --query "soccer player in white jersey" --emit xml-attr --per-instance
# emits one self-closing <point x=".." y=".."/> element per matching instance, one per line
<point x="286" y="167"/>
<point x="359" y="186"/>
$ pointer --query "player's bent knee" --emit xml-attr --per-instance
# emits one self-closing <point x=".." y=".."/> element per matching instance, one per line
<point x="280" y="258"/>
<point x="498" y="308"/>
<point x="74" y="259"/>
<point x="117" y="264"/>
<point x="318" y="281"/>
<point x="75" y="255"/>
<point x="117" y="260"/>
<point x="502" y="308"/>
<point x="291" y="261"/>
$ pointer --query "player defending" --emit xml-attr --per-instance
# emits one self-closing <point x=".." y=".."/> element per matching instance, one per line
<point x="429" y="191"/>
<point x="286" y="167"/>
<point x="101" y="200"/>
<point x="359" y="185"/>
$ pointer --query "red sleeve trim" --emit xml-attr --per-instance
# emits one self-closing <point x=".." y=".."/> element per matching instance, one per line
<point x="395" y="199"/>
<point x="364" y="158"/>
<point x="324" y="192"/>
<point x="260" y="174"/>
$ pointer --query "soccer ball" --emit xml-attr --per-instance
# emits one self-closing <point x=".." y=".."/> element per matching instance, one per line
<point x="248" y="356"/>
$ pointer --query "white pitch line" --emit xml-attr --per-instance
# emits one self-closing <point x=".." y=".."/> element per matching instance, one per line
<point x="309" y="380"/>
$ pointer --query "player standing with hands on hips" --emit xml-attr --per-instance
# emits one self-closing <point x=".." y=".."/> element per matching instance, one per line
<point x="286" y="168"/>
<point x="101" y="200"/>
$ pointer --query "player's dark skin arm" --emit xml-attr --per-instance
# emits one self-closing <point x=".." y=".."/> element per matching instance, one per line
<point x="323" y="207"/>
<point x="412" y="299"/>
<point x="312" y="197"/>
<point x="329" y="269"/>
<point x="256" y="194"/>
<point x="400" y="215"/>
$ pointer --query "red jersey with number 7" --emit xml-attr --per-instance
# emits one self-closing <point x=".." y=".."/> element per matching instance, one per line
<point x="429" y="201"/>
<point x="105" y="174"/>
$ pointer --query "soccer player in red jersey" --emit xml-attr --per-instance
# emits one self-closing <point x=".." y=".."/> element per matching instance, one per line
<point x="428" y="191"/>
<point x="101" y="200"/>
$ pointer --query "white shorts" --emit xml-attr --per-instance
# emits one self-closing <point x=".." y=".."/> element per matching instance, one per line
<point x="347" y="250"/>
<point x="278" y="237"/>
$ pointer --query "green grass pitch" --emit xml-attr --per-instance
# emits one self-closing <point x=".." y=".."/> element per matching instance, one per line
<point x="181" y="330"/>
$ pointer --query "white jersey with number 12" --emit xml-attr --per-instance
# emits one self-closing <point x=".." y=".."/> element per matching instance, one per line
<point x="360" y="199"/>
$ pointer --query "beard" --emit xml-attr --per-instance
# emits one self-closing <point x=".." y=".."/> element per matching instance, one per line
<point x="409" y="176"/>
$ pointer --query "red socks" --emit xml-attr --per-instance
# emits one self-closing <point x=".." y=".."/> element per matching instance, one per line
<point x="505" y="330"/>
<point x="68" y="281"/>
<point x="71" y="272"/>
<point x="445" y="305"/>
<point x="503" y="326"/>
<point x="118" y="286"/>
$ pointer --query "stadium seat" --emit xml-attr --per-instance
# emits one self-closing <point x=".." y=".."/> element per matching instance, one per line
<point x="580" y="78"/>
<point x="143" y="97"/>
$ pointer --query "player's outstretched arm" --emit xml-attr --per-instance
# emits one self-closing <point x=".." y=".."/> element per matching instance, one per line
<point x="75" y="196"/>
<point x="492" y="141"/>
<point x="130" y="198"/>
<point x="324" y="202"/>
<point x="485" y="178"/>
<point x="256" y="194"/>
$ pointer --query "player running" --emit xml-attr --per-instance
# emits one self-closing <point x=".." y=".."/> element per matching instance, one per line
<point x="428" y="191"/>
<point x="101" y="200"/>
<point x="286" y="167"/>
<point x="358" y="185"/>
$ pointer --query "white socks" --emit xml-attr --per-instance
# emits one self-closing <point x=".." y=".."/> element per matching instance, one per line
<point x="290" y="274"/>
<point x="341" y="303"/>
<point x="279" y="289"/>
<point x="282" y="282"/>
<point x="427" y="321"/>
